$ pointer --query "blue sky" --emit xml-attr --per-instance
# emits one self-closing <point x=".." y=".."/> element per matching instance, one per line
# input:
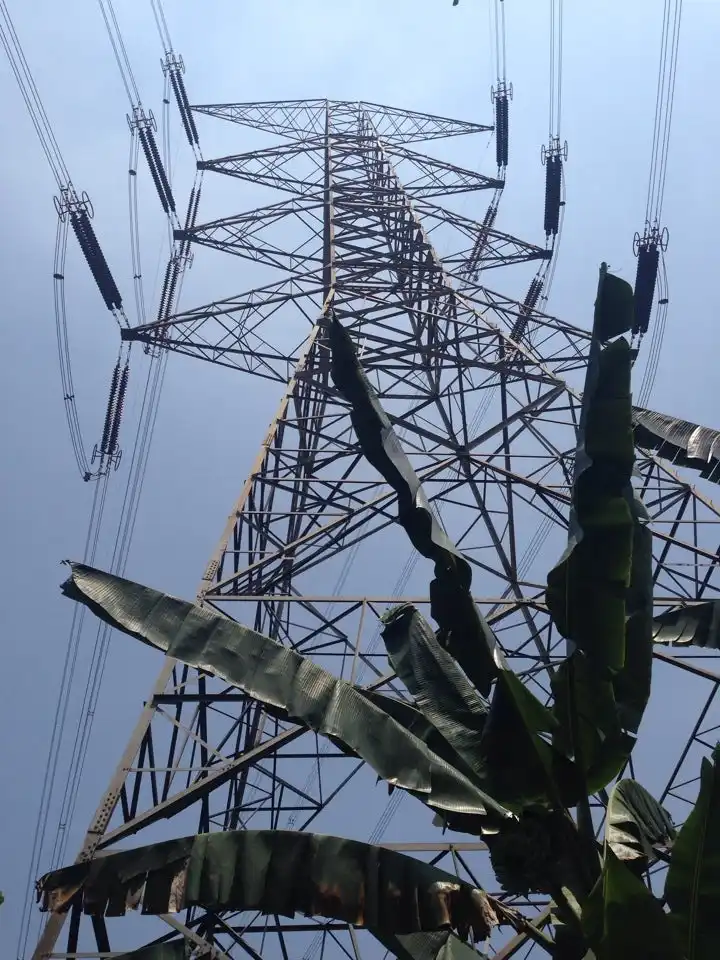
<point x="420" y="54"/>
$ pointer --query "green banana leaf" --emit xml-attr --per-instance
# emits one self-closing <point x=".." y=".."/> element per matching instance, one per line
<point x="173" y="950"/>
<point x="441" y="945"/>
<point x="539" y="774"/>
<point x="698" y="625"/>
<point x="679" y="441"/>
<point x="285" y="681"/>
<point x="586" y="591"/>
<point x="600" y="593"/>
<point x="614" y="307"/>
<point x="622" y="920"/>
<point x="436" y="683"/>
<point x="462" y="631"/>
<point x="692" y="887"/>
<point x="413" y="720"/>
<point x="277" y="872"/>
<point x="416" y="723"/>
<point x="631" y="685"/>
<point x="603" y="712"/>
<point x="409" y="717"/>
<point x="636" y="824"/>
<point x="588" y="725"/>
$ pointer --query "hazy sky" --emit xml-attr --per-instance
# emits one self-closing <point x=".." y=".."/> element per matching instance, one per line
<point x="421" y="54"/>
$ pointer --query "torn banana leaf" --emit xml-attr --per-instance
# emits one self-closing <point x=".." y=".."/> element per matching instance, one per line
<point x="697" y="625"/>
<point x="692" y="887"/>
<point x="463" y="631"/>
<point x="679" y="441"/>
<point x="409" y="717"/>
<point x="435" y="682"/>
<point x="636" y="824"/>
<point x="276" y="872"/>
<point x="413" y="720"/>
<point x="284" y="680"/>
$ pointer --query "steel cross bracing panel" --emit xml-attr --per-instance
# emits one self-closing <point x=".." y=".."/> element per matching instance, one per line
<point x="311" y="553"/>
<point x="303" y="119"/>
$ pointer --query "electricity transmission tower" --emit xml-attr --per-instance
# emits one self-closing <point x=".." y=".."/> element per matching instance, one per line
<point x="485" y="395"/>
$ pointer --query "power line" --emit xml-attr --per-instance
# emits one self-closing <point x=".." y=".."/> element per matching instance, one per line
<point x="31" y="96"/>
<point x="120" y="51"/>
<point x="60" y="719"/>
<point x="121" y="549"/>
<point x="126" y="525"/>
<point x="650" y="247"/>
<point x="664" y="100"/>
<point x="61" y="329"/>
<point x="77" y="208"/>
<point x="161" y="22"/>
<point x="142" y="124"/>
<point x="76" y="211"/>
<point x="501" y="93"/>
<point x="555" y="153"/>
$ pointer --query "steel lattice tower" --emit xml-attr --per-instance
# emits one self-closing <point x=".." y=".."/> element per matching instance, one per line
<point x="486" y="399"/>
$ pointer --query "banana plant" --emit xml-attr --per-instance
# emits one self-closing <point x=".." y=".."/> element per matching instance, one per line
<point x="449" y="744"/>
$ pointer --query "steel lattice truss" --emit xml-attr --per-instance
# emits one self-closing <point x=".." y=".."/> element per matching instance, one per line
<point x="311" y="554"/>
